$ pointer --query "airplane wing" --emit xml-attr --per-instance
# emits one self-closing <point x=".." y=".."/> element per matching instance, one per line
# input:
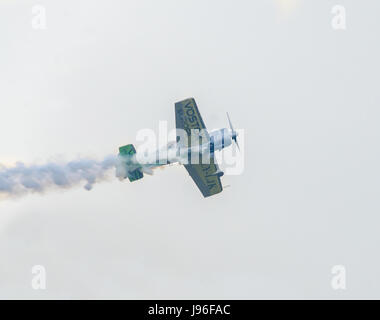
<point x="188" y="118"/>
<point x="205" y="176"/>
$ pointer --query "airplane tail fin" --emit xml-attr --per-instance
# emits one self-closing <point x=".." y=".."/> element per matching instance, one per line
<point x="126" y="153"/>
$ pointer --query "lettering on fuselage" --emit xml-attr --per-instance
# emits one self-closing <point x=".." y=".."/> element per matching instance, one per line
<point x="192" y="119"/>
<point x="193" y="125"/>
<point x="189" y="119"/>
<point x="207" y="170"/>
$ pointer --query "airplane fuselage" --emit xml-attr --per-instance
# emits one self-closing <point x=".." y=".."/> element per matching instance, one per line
<point x="175" y="152"/>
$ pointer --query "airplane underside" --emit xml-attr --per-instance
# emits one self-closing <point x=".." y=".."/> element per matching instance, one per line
<point x="199" y="160"/>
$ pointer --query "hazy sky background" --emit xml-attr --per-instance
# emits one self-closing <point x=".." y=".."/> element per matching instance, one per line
<point x="306" y="95"/>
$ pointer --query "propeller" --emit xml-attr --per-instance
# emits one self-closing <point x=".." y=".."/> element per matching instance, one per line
<point x="234" y="133"/>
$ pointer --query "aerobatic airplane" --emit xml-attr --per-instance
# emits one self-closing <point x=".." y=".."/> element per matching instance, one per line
<point x="194" y="148"/>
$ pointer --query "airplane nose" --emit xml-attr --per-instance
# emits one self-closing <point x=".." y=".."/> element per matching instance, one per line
<point x="234" y="134"/>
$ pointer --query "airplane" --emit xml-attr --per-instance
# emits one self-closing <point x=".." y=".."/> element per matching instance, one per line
<point x="198" y="158"/>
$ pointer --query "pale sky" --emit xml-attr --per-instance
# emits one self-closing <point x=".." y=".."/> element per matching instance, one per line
<point x="305" y="94"/>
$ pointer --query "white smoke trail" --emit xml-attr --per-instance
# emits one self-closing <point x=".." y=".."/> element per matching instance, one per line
<point x="22" y="179"/>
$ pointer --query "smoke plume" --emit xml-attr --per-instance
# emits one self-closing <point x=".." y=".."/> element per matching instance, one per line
<point x="21" y="179"/>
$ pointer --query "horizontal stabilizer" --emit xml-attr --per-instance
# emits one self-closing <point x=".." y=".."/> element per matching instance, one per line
<point x="127" y="152"/>
<point x="136" y="174"/>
